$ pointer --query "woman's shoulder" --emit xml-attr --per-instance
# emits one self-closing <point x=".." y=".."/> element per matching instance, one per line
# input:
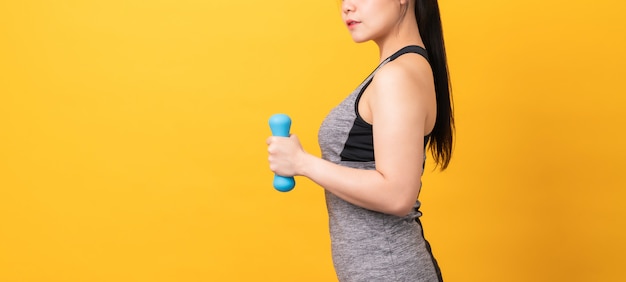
<point x="408" y="73"/>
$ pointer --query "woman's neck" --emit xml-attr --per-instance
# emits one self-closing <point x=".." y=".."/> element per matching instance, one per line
<point x="406" y="33"/>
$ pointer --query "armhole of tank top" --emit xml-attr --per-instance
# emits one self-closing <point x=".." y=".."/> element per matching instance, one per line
<point x="358" y="100"/>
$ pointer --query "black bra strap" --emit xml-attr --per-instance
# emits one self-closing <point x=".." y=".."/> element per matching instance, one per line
<point x="409" y="49"/>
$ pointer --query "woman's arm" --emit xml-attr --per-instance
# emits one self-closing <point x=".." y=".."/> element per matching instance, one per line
<point x="399" y="106"/>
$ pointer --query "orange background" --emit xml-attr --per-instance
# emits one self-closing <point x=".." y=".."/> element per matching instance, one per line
<point x="132" y="140"/>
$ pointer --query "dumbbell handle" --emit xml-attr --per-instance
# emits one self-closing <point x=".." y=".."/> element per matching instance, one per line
<point x="280" y="124"/>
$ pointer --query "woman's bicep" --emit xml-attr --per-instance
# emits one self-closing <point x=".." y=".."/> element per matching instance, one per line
<point x="398" y="118"/>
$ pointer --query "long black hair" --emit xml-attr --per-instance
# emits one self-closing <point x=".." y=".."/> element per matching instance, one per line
<point x="429" y="23"/>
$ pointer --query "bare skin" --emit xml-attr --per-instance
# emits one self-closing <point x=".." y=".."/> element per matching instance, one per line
<point x="399" y="103"/>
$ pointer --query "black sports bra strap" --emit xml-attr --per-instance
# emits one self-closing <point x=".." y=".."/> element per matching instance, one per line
<point x="409" y="49"/>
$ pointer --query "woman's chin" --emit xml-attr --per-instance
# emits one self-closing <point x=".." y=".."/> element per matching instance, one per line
<point x="359" y="39"/>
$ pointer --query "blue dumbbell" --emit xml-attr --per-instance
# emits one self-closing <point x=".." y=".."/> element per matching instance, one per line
<point x="280" y="125"/>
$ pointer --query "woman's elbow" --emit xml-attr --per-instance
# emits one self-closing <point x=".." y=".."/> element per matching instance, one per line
<point x="404" y="203"/>
<point x="401" y="208"/>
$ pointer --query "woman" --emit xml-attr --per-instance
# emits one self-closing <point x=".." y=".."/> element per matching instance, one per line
<point x="373" y="144"/>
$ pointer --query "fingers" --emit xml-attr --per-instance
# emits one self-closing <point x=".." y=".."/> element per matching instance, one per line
<point x="274" y="148"/>
<point x="278" y="149"/>
<point x="273" y="167"/>
<point x="272" y="144"/>
<point x="273" y="139"/>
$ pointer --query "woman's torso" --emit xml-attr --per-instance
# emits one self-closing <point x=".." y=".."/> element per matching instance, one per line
<point x="368" y="244"/>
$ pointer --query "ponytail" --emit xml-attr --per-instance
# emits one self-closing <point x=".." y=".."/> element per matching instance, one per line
<point x="429" y="23"/>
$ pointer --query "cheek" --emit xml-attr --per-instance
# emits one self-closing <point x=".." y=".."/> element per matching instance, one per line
<point x="382" y="18"/>
<point x="378" y="27"/>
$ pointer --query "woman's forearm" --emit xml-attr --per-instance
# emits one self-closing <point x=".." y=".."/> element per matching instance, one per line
<point x="369" y="189"/>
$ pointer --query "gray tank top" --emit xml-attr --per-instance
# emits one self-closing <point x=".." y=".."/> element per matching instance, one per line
<point x="369" y="245"/>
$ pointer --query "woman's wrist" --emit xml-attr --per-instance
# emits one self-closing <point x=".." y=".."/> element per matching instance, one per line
<point x="304" y="163"/>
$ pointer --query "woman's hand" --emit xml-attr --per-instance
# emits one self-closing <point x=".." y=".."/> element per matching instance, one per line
<point x="285" y="155"/>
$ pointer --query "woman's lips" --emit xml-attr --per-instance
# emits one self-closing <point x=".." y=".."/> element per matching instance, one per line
<point x="352" y="23"/>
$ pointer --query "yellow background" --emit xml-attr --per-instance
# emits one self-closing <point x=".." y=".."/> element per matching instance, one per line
<point x="132" y="139"/>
